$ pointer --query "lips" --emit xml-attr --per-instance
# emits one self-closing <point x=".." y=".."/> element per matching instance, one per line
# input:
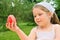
<point x="38" y="21"/>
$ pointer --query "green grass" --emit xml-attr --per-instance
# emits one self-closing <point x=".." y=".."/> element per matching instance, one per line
<point x="9" y="35"/>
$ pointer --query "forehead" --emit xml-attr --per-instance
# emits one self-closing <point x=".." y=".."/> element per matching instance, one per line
<point x="37" y="10"/>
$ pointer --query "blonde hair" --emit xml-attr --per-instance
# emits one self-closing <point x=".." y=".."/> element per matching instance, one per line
<point x="54" y="19"/>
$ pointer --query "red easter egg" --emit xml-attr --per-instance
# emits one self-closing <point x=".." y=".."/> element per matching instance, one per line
<point x="11" y="19"/>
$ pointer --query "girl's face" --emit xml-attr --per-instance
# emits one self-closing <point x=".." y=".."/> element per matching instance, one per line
<point x="41" y="17"/>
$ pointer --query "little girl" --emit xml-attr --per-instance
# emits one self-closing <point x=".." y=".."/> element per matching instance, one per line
<point x="47" y="28"/>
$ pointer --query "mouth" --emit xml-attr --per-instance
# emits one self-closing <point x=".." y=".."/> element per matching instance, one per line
<point x="38" y="21"/>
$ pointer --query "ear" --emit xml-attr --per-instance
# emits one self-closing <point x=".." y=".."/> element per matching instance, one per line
<point x="50" y="14"/>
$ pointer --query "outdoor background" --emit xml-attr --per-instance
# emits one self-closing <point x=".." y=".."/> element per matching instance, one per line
<point x="22" y="10"/>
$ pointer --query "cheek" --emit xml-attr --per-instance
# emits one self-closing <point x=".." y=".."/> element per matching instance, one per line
<point x="44" y="18"/>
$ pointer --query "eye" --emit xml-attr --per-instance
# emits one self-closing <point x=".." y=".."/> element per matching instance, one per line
<point x="40" y="14"/>
<point x="34" y="16"/>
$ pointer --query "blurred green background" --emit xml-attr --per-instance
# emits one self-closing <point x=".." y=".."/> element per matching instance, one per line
<point x="22" y="10"/>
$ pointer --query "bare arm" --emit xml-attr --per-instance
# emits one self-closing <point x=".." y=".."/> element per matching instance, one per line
<point x="23" y="36"/>
<point x="57" y="32"/>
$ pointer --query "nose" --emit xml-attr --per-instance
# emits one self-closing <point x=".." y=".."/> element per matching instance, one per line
<point x="37" y="17"/>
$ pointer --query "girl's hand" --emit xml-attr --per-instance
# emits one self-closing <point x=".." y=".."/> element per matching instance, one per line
<point x="11" y="23"/>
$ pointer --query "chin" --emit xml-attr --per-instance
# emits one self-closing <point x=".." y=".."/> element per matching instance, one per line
<point x="40" y="24"/>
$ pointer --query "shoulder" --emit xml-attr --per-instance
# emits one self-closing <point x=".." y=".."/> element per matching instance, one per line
<point x="34" y="29"/>
<point x="57" y="31"/>
<point x="56" y="26"/>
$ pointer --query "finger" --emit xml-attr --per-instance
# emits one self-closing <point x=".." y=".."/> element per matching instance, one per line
<point x="7" y="25"/>
<point x="12" y="25"/>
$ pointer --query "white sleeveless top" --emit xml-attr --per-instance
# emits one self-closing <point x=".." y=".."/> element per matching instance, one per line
<point x="46" y="35"/>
